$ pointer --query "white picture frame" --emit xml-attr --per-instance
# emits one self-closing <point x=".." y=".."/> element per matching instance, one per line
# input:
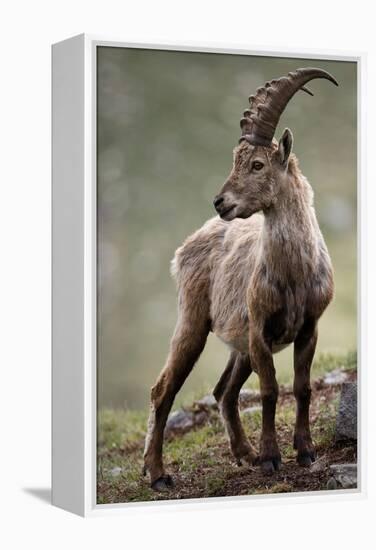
<point x="74" y="275"/>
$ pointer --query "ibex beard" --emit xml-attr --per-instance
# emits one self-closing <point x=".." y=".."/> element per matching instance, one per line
<point x="259" y="276"/>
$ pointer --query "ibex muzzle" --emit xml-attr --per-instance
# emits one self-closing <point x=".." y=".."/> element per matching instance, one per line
<point x="225" y="205"/>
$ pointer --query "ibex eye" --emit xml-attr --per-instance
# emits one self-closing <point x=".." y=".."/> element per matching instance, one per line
<point x="257" y="165"/>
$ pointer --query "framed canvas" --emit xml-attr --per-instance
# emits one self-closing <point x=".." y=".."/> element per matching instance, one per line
<point x="263" y="224"/>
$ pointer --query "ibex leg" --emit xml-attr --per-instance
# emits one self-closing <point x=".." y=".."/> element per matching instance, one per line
<point x="186" y="345"/>
<point x="227" y="394"/>
<point x="304" y="349"/>
<point x="262" y="362"/>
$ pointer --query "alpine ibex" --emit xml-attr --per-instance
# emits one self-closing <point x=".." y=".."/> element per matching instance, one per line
<point x="259" y="276"/>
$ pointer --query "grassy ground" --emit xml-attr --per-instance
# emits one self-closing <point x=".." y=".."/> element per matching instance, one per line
<point x="200" y="460"/>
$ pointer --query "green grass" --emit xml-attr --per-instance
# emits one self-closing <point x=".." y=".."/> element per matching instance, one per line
<point x="327" y="362"/>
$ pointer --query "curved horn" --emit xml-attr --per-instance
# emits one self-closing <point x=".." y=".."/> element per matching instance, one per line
<point x="267" y="105"/>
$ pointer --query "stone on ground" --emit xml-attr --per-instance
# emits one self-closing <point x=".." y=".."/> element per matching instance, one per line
<point x="346" y="423"/>
<point x="320" y="465"/>
<point x="343" y="476"/>
<point x="252" y="410"/>
<point x="207" y="402"/>
<point x="335" y="377"/>
<point x="180" y="421"/>
<point x="247" y="396"/>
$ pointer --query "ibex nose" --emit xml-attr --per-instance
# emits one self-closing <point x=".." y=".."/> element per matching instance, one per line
<point x="217" y="201"/>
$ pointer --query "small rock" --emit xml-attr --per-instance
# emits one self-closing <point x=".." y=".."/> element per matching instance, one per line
<point x="207" y="402"/>
<point x="345" y="475"/>
<point x="319" y="465"/>
<point x="332" y="484"/>
<point x="252" y="410"/>
<point x="180" y="421"/>
<point x="115" y="472"/>
<point x="346" y="422"/>
<point x="246" y="396"/>
<point x="335" y="377"/>
<point x="200" y="418"/>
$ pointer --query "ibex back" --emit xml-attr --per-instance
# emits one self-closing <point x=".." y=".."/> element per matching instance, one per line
<point x="259" y="276"/>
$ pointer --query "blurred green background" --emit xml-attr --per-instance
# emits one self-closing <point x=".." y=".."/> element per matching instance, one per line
<point x="167" y="124"/>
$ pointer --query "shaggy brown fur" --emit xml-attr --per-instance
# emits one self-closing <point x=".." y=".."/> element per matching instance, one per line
<point x="259" y="277"/>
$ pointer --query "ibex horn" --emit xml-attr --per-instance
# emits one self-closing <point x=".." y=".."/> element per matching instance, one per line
<point x="267" y="105"/>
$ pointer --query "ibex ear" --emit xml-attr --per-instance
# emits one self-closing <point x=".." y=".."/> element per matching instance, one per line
<point x="285" y="146"/>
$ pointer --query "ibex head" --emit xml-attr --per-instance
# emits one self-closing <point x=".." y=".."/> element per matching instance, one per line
<point x="260" y="162"/>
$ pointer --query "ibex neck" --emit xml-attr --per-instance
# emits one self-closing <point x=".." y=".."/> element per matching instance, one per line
<point x="290" y="237"/>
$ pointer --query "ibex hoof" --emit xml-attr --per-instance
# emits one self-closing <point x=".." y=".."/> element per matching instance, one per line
<point x="306" y="458"/>
<point x="163" y="484"/>
<point x="268" y="467"/>
<point x="248" y="460"/>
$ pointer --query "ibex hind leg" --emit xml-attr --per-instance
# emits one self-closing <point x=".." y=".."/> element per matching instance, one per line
<point x="226" y="392"/>
<point x="225" y="377"/>
<point x="186" y="345"/>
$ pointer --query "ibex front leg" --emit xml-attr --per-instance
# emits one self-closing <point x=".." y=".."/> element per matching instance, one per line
<point x="304" y="349"/>
<point x="262" y="362"/>
<point x="186" y="345"/>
